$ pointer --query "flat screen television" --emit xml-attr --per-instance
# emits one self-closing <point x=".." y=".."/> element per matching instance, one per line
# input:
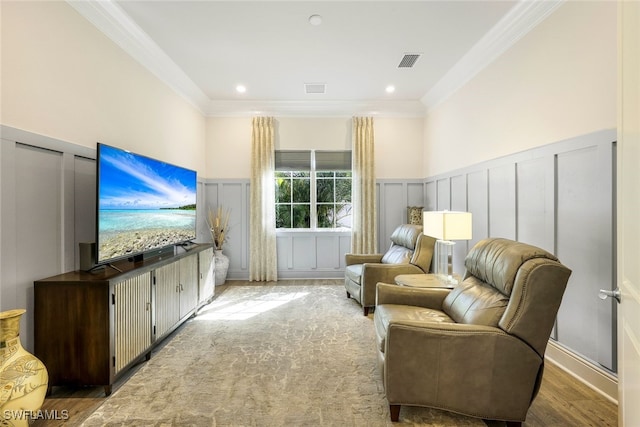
<point x="143" y="204"/>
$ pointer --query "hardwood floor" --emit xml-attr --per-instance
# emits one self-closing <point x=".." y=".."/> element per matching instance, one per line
<point x="562" y="401"/>
<point x="565" y="401"/>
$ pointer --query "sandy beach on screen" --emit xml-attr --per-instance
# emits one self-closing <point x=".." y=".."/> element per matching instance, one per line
<point x="130" y="243"/>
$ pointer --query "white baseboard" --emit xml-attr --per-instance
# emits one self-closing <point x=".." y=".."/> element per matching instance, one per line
<point x="584" y="371"/>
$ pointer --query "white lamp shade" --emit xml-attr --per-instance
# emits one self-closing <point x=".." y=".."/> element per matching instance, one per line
<point x="447" y="225"/>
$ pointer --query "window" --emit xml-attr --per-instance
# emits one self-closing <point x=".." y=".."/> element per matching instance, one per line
<point x="313" y="189"/>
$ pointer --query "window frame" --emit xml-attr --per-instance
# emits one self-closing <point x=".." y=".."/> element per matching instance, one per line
<point x="313" y="196"/>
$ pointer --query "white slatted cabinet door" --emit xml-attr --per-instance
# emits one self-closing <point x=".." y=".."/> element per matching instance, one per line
<point x="132" y="319"/>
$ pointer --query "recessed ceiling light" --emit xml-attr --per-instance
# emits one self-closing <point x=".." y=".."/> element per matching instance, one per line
<point x="315" y="20"/>
<point x="241" y="89"/>
<point x="390" y="89"/>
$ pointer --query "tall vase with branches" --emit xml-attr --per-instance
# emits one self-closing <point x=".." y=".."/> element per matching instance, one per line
<point x="218" y="221"/>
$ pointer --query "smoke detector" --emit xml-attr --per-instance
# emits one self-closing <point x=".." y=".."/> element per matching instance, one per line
<point x="315" y="20"/>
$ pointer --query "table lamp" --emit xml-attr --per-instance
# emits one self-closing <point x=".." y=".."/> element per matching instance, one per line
<point x="446" y="226"/>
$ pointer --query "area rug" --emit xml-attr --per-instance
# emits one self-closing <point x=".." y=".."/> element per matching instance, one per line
<point x="284" y="354"/>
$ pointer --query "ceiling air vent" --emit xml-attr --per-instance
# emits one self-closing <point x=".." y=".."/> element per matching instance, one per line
<point x="315" y="88"/>
<point x="408" y="60"/>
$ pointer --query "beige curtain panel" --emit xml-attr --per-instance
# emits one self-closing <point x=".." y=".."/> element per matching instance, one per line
<point x="262" y="216"/>
<point x="364" y="238"/>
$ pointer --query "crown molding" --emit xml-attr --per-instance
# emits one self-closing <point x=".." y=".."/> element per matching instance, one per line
<point x="521" y="19"/>
<point x="316" y="108"/>
<point x="109" y="18"/>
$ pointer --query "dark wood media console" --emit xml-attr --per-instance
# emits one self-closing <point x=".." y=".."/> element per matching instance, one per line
<point x="90" y="327"/>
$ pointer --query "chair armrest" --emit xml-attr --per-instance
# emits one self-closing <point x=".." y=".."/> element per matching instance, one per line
<point x="468" y="368"/>
<point x="374" y="273"/>
<point x="419" y="297"/>
<point x="351" y="259"/>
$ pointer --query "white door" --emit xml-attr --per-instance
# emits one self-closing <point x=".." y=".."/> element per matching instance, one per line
<point x="629" y="213"/>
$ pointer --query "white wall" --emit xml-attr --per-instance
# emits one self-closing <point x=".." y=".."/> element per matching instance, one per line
<point x="313" y="133"/>
<point x="228" y="147"/>
<point x="398" y="143"/>
<point x="68" y="86"/>
<point x="557" y="82"/>
<point x="399" y="148"/>
<point x="63" y="78"/>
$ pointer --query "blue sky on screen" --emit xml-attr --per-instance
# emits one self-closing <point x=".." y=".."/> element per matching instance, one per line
<point x="131" y="181"/>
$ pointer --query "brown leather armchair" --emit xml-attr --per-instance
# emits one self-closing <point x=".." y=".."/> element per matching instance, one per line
<point x="477" y="349"/>
<point x="410" y="253"/>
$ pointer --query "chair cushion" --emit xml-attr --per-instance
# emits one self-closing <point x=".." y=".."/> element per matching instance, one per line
<point x="353" y="272"/>
<point x="497" y="261"/>
<point x="387" y="313"/>
<point x="397" y="255"/>
<point x="406" y="235"/>
<point x="475" y="302"/>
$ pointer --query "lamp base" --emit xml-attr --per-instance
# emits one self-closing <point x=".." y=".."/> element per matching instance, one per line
<point x="444" y="259"/>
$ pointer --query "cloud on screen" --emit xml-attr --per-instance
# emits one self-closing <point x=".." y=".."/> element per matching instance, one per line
<point x="141" y="183"/>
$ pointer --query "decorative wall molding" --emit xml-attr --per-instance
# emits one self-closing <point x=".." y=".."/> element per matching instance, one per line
<point x="116" y="24"/>
<point x="28" y="138"/>
<point x="316" y="108"/>
<point x="521" y="19"/>
<point x="74" y="166"/>
<point x="109" y="18"/>
<point x="305" y="254"/>
<point x="558" y="197"/>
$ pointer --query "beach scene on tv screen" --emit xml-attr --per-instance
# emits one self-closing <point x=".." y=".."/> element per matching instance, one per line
<point x="143" y="204"/>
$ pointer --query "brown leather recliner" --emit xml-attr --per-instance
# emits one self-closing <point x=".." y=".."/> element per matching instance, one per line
<point x="410" y="252"/>
<point x="477" y="349"/>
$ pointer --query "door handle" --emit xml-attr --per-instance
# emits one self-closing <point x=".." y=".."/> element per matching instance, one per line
<point x="604" y="294"/>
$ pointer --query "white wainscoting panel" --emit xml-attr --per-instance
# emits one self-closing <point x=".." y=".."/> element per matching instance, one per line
<point x="392" y="210"/>
<point x="328" y="256"/>
<point x="307" y="254"/>
<point x="535" y="203"/>
<point x="48" y="204"/>
<point x="444" y="194"/>
<point x="33" y="242"/>
<point x="344" y="247"/>
<point x="558" y="197"/>
<point x="502" y="201"/>
<point x="394" y="196"/>
<point x="202" y="213"/>
<point x="233" y="195"/>
<point x="312" y="254"/>
<point x="478" y="204"/>
<point x="304" y="252"/>
<point x="430" y="192"/>
<point x="415" y="194"/>
<point x="39" y="208"/>
<point x="585" y="244"/>
<point x="458" y="193"/>
<point x="84" y="203"/>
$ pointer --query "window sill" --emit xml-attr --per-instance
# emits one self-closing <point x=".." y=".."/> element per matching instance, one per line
<point x="340" y="231"/>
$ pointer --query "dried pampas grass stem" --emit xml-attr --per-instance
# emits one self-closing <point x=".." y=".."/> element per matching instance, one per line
<point x="218" y="222"/>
